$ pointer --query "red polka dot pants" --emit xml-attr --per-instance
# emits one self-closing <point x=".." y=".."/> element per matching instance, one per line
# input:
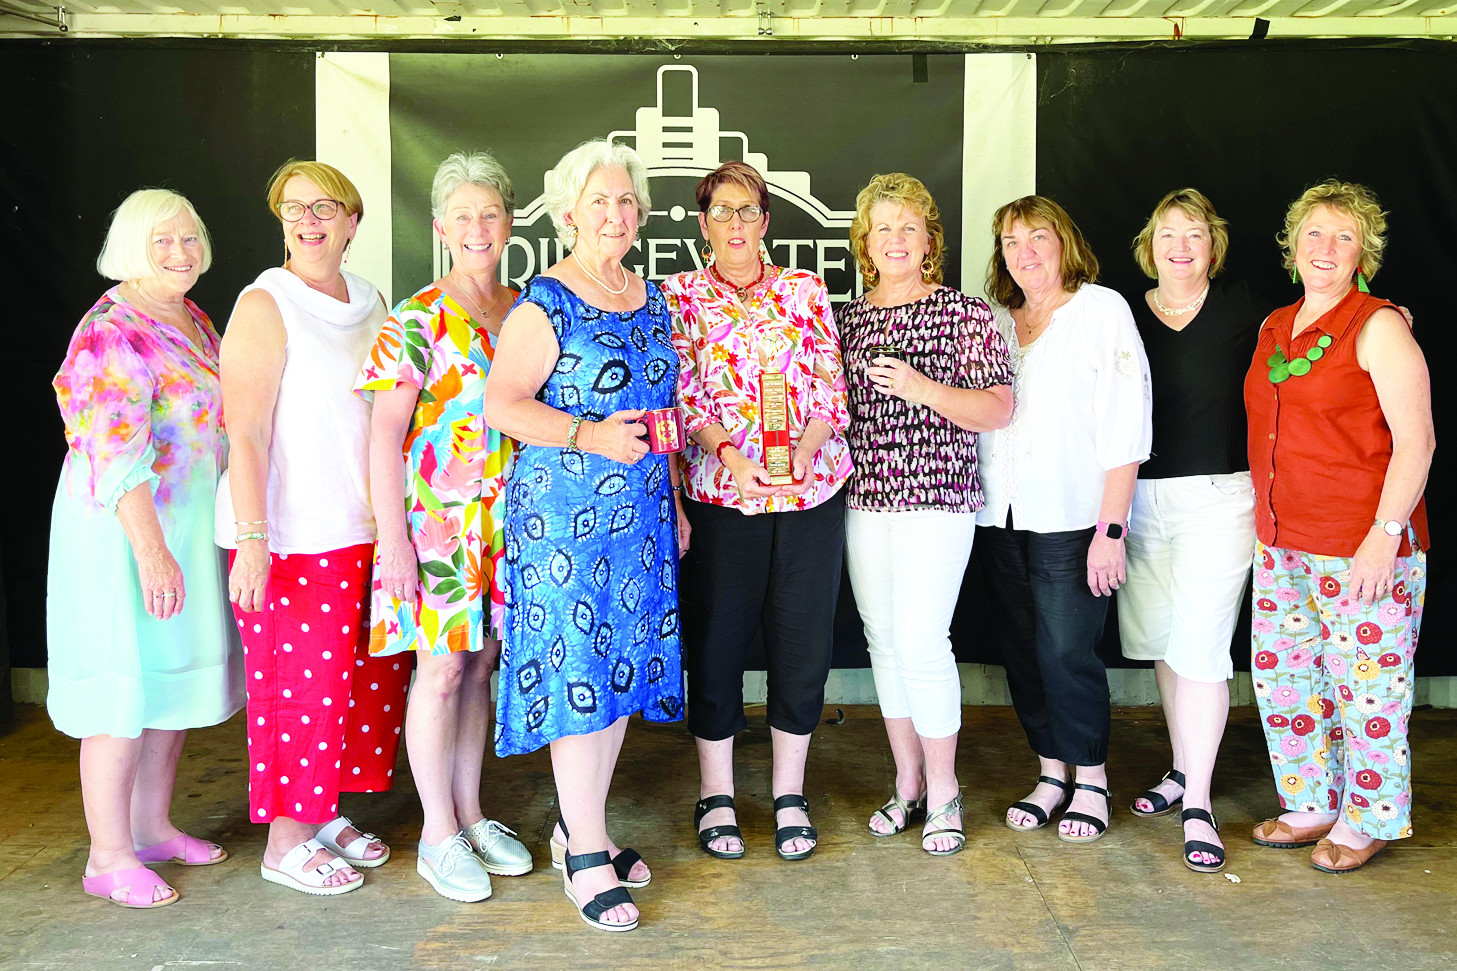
<point x="323" y="716"/>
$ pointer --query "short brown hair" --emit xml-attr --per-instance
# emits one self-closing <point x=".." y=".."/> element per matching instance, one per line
<point x="321" y="174"/>
<point x="739" y="173"/>
<point x="1354" y="200"/>
<point x="1195" y="205"/>
<point x="1079" y="265"/>
<point x="911" y="193"/>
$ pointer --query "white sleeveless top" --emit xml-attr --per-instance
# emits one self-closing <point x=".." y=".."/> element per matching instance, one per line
<point x="318" y="462"/>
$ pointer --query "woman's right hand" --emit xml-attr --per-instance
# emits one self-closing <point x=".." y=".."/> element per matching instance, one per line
<point x="619" y="436"/>
<point x="751" y="478"/>
<point x="398" y="571"/>
<point x="161" y="579"/>
<point x="248" y="580"/>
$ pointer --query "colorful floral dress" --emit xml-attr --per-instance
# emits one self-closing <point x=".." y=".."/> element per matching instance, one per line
<point x="142" y="406"/>
<point x="455" y="470"/>
<point x="592" y="630"/>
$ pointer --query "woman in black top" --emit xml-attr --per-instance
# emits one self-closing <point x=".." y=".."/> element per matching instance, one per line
<point x="1191" y="531"/>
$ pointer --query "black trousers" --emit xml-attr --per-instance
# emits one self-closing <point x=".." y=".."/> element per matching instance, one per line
<point x="779" y="571"/>
<point x="1053" y="624"/>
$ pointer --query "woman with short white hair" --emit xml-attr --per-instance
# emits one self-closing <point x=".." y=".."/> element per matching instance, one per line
<point x="131" y="545"/>
<point x="436" y="471"/>
<point x="593" y="524"/>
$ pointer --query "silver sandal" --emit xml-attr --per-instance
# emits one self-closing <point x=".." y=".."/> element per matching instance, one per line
<point x="952" y="808"/>
<point x="908" y="808"/>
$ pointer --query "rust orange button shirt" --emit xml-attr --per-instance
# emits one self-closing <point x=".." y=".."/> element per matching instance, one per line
<point x="1319" y="443"/>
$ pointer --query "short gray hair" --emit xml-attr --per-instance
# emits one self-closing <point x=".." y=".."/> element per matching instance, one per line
<point x="127" y="252"/>
<point x="564" y="184"/>
<point x="473" y="168"/>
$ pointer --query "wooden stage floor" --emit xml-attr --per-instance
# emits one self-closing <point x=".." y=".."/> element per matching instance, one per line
<point x="1023" y="901"/>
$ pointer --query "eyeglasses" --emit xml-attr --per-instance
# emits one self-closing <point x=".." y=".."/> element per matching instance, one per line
<point x="292" y="212"/>
<point x="722" y="214"/>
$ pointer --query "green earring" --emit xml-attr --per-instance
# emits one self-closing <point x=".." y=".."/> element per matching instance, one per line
<point x="1361" y="281"/>
<point x="1294" y="275"/>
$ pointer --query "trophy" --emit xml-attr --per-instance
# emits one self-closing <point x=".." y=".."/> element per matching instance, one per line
<point x="774" y="413"/>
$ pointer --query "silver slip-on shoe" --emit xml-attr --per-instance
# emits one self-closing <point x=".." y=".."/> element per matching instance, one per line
<point x="454" y="870"/>
<point x="496" y="849"/>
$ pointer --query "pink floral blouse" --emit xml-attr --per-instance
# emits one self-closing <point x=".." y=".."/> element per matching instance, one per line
<point x="719" y="350"/>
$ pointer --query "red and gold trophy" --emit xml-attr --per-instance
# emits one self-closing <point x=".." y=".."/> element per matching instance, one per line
<point x="774" y="413"/>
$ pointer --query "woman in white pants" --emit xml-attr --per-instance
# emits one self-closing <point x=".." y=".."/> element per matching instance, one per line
<point x="1192" y="529"/>
<point x="927" y="370"/>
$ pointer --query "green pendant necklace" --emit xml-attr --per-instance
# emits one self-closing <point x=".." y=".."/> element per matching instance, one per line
<point x="1281" y="369"/>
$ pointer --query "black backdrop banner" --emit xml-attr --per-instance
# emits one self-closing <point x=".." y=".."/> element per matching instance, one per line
<point x="1116" y="127"/>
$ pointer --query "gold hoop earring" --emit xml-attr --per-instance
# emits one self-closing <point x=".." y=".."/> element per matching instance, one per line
<point x="928" y="267"/>
<point x="707" y="254"/>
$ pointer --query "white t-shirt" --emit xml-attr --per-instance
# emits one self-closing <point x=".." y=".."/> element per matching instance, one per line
<point x="1083" y="405"/>
<point x="318" y="460"/>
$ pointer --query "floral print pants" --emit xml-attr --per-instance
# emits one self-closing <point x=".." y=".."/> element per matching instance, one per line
<point x="1333" y="678"/>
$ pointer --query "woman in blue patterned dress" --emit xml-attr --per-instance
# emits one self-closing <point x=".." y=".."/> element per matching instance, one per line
<point x="594" y="523"/>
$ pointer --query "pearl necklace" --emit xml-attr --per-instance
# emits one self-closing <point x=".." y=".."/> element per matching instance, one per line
<point x="1180" y="311"/>
<point x="594" y="279"/>
<point x="741" y="292"/>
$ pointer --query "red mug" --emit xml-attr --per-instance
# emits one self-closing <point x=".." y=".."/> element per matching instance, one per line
<point x="665" y="429"/>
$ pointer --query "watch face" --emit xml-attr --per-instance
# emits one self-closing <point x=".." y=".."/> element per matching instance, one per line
<point x="1115" y="531"/>
<point x="1392" y="527"/>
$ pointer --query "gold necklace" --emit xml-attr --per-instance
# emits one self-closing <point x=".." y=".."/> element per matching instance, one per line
<point x="1180" y="311"/>
<point x="593" y="276"/>
<point x="480" y="315"/>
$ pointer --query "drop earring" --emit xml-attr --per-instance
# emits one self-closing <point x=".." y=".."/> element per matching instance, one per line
<point x="1361" y="281"/>
<point x="707" y="254"/>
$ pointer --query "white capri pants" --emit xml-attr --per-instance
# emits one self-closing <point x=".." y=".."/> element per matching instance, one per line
<point x="1190" y="543"/>
<point x="906" y="569"/>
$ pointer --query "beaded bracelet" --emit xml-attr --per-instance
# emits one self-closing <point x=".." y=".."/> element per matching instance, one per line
<point x="246" y="536"/>
<point x="572" y="433"/>
<point x="250" y="522"/>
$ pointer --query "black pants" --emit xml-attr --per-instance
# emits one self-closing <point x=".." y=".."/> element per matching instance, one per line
<point x="779" y="570"/>
<point x="1053" y="624"/>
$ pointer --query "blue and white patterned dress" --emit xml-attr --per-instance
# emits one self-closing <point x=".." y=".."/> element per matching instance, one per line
<point x="591" y="619"/>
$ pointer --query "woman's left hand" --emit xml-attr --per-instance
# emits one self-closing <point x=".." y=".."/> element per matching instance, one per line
<point x="1374" y="566"/>
<point x="685" y="529"/>
<point x="895" y="377"/>
<point x="1106" y="567"/>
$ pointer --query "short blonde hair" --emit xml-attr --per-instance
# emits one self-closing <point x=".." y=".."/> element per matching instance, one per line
<point x="1079" y="265"/>
<point x="907" y="191"/>
<point x="334" y="183"/>
<point x="1195" y="205"/>
<point x="1355" y="201"/>
<point x="127" y="252"/>
<point x="565" y="182"/>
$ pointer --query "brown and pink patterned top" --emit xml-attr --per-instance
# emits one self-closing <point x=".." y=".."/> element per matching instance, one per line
<point x="906" y="455"/>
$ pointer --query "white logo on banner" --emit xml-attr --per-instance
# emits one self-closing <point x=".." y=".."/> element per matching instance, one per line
<point x="679" y="149"/>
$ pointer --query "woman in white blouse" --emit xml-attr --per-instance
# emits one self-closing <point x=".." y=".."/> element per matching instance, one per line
<point x="1059" y="480"/>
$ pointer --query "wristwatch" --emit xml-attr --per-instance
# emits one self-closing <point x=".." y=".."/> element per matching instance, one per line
<point x="1111" y="530"/>
<point x="1389" y="526"/>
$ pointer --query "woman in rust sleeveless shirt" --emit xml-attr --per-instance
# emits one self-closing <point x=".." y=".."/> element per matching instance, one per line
<point x="1340" y="438"/>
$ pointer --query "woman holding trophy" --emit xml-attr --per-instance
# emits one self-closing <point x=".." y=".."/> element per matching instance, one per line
<point x="764" y="407"/>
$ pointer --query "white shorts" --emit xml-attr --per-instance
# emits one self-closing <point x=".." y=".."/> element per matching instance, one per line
<point x="1190" y="544"/>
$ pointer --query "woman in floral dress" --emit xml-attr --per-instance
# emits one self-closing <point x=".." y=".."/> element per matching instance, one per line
<point x="136" y="626"/>
<point x="436" y="583"/>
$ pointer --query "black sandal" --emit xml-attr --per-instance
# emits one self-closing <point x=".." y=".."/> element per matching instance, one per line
<point x="1098" y="825"/>
<point x="622" y="863"/>
<point x="1161" y="806"/>
<point x="784" y="834"/>
<point x="1199" y="846"/>
<point x="1036" y="811"/>
<point x="592" y="912"/>
<point x="729" y="831"/>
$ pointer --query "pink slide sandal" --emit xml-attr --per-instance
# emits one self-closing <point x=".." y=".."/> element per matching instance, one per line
<point x="183" y="849"/>
<point x="139" y="884"/>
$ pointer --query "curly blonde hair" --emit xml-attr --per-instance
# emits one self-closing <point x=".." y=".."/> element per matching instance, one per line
<point x="1349" y="198"/>
<point x="1195" y="205"/>
<point x="910" y="192"/>
<point x="1079" y="265"/>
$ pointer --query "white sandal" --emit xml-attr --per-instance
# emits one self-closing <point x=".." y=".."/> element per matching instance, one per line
<point x="353" y="854"/>
<point x="291" y="872"/>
